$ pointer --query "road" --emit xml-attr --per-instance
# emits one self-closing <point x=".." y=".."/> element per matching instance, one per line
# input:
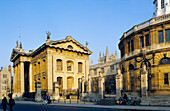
<point x="26" y="107"/>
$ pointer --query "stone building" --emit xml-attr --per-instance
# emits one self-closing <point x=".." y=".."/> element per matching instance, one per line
<point x="54" y="64"/>
<point x="102" y="80"/>
<point x="145" y="57"/>
<point x="5" y="84"/>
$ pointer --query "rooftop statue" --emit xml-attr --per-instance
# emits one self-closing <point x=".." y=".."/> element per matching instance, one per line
<point x="87" y="44"/>
<point x="48" y="35"/>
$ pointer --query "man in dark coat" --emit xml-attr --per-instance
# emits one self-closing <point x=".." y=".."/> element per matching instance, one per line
<point x="4" y="103"/>
<point x="11" y="103"/>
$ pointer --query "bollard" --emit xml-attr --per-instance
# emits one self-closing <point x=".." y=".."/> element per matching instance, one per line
<point x="77" y="101"/>
<point x="58" y="101"/>
<point x="64" y="100"/>
<point x="70" y="101"/>
<point x="84" y="101"/>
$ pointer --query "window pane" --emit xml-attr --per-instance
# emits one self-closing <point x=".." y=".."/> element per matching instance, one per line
<point x="162" y="4"/>
<point x="141" y="42"/>
<point x="147" y="40"/>
<point x="122" y="51"/>
<point x="167" y="35"/>
<point x="79" y="67"/>
<point x="128" y="46"/>
<point x="132" y="45"/>
<point x="166" y="81"/>
<point x="160" y="36"/>
<point x="59" y="65"/>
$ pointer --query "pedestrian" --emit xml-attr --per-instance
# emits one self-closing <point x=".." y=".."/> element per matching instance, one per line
<point x="48" y="98"/>
<point x="119" y="101"/>
<point x="124" y="99"/>
<point x="11" y="103"/>
<point x="44" y="100"/>
<point x="4" y="103"/>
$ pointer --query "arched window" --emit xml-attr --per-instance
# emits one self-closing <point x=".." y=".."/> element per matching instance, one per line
<point x="70" y="47"/>
<point x="162" y="4"/>
<point x="59" y="65"/>
<point x="80" y="64"/>
<point x="60" y="82"/>
<point x="69" y="65"/>
<point x="164" y="60"/>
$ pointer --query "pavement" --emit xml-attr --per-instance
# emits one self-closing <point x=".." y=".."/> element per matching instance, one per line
<point x="114" y="107"/>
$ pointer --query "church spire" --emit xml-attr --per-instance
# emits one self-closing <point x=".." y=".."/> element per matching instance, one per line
<point x="107" y="52"/>
<point x="116" y="54"/>
<point x="100" y="54"/>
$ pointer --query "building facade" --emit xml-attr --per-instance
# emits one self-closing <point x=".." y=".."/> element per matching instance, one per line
<point x="102" y="80"/>
<point x="62" y="62"/>
<point x="145" y="58"/>
<point x="5" y="84"/>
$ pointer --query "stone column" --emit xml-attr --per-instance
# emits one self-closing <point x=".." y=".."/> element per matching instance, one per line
<point x="89" y="84"/>
<point x="22" y="78"/>
<point x="30" y="78"/>
<point x="119" y="83"/>
<point x="101" y="87"/>
<point x="144" y="82"/>
<point x="14" y="78"/>
<point x="56" y="92"/>
<point x="83" y="81"/>
<point x="37" y="91"/>
<point x="49" y="71"/>
<point x="80" y="81"/>
<point x="65" y="82"/>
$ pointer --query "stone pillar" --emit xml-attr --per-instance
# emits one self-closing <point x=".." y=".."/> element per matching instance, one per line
<point x="49" y="71"/>
<point x="89" y="84"/>
<point x="101" y="87"/>
<point x="37" y="91"/>
<point x="56" y="92"/>
<point x="30" y="78"/>
<point x="144" y="85"/>
<point x="119" y="83"/>
<point x="22" y="78"/>
<point x="65" y="82"/>
<point x="83" y="82"/>
<point x="80" y="81"/>
<point x="144" y="82"/>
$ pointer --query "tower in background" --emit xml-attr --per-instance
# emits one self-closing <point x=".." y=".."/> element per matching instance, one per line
<point x="162" y="7"/>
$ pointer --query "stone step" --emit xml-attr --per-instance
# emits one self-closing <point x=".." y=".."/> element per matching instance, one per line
<point x="106" y="102"/>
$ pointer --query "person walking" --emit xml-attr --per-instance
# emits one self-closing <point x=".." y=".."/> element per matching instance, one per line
<point x="11" y="103"/>
<point x="4" y="103"/>
<point x="44" y="100"/>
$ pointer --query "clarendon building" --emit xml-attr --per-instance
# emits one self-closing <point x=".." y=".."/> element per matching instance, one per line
<point x="102" y="81"/>
<point x="5" y="84"/>
<point x="61" y="62"/>
<point x="145" y="55"/>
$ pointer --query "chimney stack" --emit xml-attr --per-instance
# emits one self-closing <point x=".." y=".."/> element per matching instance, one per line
<point x="9" y="69"/>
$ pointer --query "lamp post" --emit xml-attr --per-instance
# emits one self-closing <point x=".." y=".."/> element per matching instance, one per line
<point x="145" y="75"/>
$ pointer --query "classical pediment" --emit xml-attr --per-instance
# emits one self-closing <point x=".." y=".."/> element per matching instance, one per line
<point x="70" y="44"/>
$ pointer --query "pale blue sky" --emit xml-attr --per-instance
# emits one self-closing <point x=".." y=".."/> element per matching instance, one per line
<point x="100" y="22"/>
